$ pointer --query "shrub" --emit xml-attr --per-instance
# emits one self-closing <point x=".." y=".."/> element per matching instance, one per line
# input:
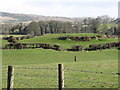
<point x="106" y="46"/>
<point x="95" y="46"/>
<point x="46" y="46"/>
<point x="62" y="38"/>
<point x="77" y="48"/>
<point x="87" y="38"/>
<point x="12" y="39"/>
<point x="117" y="44"/>
<point x="18" y="46"/>
<point x="57" y="47"/>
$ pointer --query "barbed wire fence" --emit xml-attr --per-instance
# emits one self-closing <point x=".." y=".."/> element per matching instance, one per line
<point x="51" y="77"/>
<point x="44" y="77"/>
<point x="22" y="77"/>
<point x="88" y="74"/>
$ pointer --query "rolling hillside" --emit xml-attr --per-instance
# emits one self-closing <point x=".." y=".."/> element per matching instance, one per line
<point x="15" y="17"/>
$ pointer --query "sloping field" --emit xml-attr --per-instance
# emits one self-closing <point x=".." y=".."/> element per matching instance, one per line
<point x="52" y="39"/>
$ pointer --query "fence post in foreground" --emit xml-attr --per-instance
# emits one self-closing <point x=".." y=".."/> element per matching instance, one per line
<point x="60" y="76"/>
<point x="10" y="78"/>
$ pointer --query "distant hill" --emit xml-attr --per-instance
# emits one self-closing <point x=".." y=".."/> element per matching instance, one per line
<point x="16" y="17"/>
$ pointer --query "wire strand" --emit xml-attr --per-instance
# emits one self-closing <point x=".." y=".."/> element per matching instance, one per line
<point x="90" y="81"/>
<point x="92" y="72"/>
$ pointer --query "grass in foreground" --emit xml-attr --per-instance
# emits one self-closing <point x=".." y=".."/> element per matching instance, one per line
<point x="48" y="78"/>
<point x="99" y="61"/>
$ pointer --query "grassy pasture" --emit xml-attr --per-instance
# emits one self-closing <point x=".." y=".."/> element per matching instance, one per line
<point x="22" y="81"/>
<point x="101" y="61"/>
<point x="52" y="39"/>
<point x="41" y="56"/>
<point x="105" y="61"/>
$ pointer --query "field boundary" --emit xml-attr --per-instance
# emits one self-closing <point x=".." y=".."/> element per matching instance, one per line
<point x="61" y="77"/>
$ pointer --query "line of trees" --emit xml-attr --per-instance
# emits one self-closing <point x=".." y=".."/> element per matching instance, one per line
<point x="102" y="25"/>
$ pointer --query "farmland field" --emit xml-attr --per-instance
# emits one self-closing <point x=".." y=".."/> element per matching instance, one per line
<point x="93" y="69"/>
<point x="41" y="56"/>
<point x="52" y="39"/>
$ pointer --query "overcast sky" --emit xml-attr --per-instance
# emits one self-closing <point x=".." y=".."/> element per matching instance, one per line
<point x="65" y="8"/>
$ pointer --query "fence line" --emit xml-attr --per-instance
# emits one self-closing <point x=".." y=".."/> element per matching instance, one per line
<point x="92" y="72"/>
<point x="34" y="75"/>
<point x="10" y="79"/>
<point x="71" y="70"/>
<point x="60" y="76"/>
<point x="36" y="68"/>
<point x="90" y="81"/>
<point x="35" y="85"/>
<point x="108" y="65"/>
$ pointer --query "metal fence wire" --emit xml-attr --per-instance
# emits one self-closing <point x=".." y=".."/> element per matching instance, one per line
<point x="21" y="73"/>
<point x="92" y="72"/>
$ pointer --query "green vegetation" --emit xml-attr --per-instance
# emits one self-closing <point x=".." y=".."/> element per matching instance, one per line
<point x="102" y="24"/>
<point x="105" y="61"/>
<point x="3" y="42"/>
<point x="52" y="39"/>
<point x="41" y="56"/>
<point x="100" y="61"/>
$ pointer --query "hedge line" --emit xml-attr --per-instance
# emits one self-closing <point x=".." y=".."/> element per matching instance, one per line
<point x="59" y="48"/>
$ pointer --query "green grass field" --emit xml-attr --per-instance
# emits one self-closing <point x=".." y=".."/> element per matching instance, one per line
<point x="33" y="75"/>
<point x="52" y="39"/>
<point x="100" y="61"/>
<point x="42" y="56"/>
<point x="105" y="61"/>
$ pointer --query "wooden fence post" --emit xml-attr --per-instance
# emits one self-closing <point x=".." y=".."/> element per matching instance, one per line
<point x="61" y="76"/>
<point x="75" y="58"/>
<point x="10" y="78"/>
